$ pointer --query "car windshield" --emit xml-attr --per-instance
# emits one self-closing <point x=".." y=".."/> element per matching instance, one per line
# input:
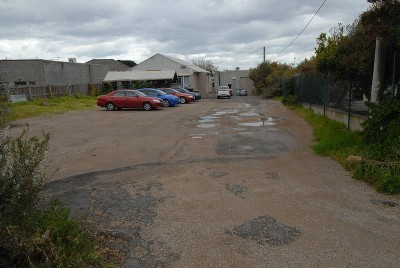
<point x="174" y="90"/>
<point x="137" y="92"/>
<point x="160" y="92"/>
<point x="223" y="88"/>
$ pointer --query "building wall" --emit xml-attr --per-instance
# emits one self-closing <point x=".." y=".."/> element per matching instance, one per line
<point x="159" y="62"/>
<point x="23" y="71"/>
<point x="203" y="83"/>
<point x="236" y="79"/>
<point x="198" y="81"/>
<point x="42" y="72"/>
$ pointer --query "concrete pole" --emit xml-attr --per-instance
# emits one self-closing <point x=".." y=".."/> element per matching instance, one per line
<point x="378" y="77"/>
<point x="264" y="54"/>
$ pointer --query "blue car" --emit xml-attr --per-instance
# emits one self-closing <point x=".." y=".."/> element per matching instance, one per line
<point x="168" y="100"/>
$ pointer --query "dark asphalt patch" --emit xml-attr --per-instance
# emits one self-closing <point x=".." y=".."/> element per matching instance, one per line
<point x="121" y="209"/>
<point x="384" y="203"/>
<point x="217" y="174"/>
<point x="266" y="230"/>
<point x="237" y="189"/>
<point x="272" y="175"/>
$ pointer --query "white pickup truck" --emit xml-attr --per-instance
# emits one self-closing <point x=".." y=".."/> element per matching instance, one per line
<point x="223" y="92"/>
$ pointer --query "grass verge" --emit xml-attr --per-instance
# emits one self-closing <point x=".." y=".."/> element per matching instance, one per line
<point x="40" y="107"/>
<point x="335" y="141"/>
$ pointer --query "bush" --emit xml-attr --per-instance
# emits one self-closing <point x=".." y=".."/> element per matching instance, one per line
<point x="381" y="131"/>
<point x="290" y="100"/>
<point x="48" y="238"/>
<point x="21" y="176"/>
<point x="33" y="233"/>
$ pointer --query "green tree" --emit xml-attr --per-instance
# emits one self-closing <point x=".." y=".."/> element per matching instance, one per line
<point x="268" y="76"/>
<point x="130" y="63"/>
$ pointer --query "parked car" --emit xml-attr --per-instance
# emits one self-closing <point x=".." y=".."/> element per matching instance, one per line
<point x="196" y="95"/>
<point x="223" y="93"/>
<point x="168" y="100"/>
<point x="127" y="98"/>
<point x="183" y="97"/>
<point x="227" y="88"/>
<point x="243" y="92"/>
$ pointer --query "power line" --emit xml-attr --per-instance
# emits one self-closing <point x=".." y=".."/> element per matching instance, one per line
<point x="250" y="53"/>
<point x="303" y="28"/>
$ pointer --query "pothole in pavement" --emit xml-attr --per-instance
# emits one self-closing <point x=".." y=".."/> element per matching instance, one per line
<point x="384" y="203"/>
<point x="272" y="175"/>
<point x="236" y="189"/>
<point x="121" y="209"/>
<point x="217" y="174"/>
<point x="266" y="230"/>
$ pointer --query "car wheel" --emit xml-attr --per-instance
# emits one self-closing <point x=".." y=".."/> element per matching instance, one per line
<point x="110" y="106"/>
<point x="182" y="100"/>
<point x="147" y="106"/>
<point x="166" y="103"/>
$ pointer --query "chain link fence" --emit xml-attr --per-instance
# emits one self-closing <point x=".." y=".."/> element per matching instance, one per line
<point x="21" y="93"/>
<point x="339" y="100"/>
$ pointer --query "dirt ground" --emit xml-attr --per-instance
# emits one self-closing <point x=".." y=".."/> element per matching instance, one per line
<point x="217" y="183"/>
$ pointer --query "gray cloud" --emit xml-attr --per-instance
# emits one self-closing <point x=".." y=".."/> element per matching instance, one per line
<point x="223" y="31"/>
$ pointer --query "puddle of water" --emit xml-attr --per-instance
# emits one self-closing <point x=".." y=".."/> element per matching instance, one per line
<point x="248" y="147"/>
<point x="239" y="129"/>
<point x="252" y="124"/>
<point x="206" y="121"/>
<point x="245" y="133"/>
<point x="206" y="125"/>
<point x="249" y="114"/>
<point x="270" y="123"/>
<point x="219" y="113"/>
<point x="209" y="117"/>
<point x="197" y="137"/>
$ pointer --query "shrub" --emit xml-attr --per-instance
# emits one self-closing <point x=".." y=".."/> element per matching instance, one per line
<point x="381" y="136"/>
<point x="290" y="100"/>
<point x="33" y="233"/>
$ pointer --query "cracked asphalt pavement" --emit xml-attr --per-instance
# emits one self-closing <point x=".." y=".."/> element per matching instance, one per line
<point x="216" y="183"/>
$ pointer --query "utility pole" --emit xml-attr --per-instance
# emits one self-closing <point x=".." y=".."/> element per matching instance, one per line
<point x="379" y="70"/>
<point x="264" y="54"/>
<point x="394" y="72"/>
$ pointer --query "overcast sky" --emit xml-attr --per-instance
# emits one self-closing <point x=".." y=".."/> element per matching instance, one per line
<point x="225" y="32"/>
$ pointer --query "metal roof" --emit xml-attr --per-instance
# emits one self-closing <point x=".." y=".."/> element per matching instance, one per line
<point x="187" y="64"/>
<point x="114" y="65"/>
<point x="140" y="75"/>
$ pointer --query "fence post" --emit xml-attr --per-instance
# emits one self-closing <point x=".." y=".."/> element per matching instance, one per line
<point x="50" y="92"/>
<point x="30" y="93"/>
<point x="348" y="121"/>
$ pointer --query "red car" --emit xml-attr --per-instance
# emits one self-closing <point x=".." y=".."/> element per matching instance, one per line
<point x="127" y="98"/>
<point x="183" y="97"/>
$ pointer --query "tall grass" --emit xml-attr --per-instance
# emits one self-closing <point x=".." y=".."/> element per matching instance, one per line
<point x="334" y="140"/>
<point x="40" y="107"/>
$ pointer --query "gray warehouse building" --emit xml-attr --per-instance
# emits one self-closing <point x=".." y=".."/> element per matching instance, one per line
<point x="237" y="79"/>
<point x="50" y="73"/>
<point x="189" y="75"/>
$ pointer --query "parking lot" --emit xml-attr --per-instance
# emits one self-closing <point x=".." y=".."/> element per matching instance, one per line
<point x="216" y="183"/>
